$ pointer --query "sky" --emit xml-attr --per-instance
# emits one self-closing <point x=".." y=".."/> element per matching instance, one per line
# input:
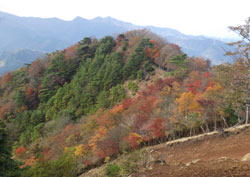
<point x="195" y="17"/>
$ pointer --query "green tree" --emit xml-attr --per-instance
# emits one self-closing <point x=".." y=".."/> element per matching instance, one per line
<point x="65" y="166"/>
<point x="8" y="167"/>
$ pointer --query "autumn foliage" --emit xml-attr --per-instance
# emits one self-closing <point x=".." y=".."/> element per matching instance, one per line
<point x="153" y="51"/>
<point x="78" y="101"/>
<point x="134" y="140"/>
<point x="155" y="128"/>
<point x="70" y="52"/>
<point x="20" y="150"/>
<point x="6" y="78"/>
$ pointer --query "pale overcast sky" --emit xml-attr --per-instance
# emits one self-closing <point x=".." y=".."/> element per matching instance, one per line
<point x="196" y="17"/>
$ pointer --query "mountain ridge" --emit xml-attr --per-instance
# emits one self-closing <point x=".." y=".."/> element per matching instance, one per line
<point x="50" y="34"/>
<point x="94" y="100"/>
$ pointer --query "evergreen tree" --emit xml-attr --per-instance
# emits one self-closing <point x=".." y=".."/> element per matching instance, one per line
<point x="8" y="167"/>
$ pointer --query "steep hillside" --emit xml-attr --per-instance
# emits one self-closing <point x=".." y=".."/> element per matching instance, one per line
<point x="47" y="35"/>
<point x="207" y="155"/>
<point x="196" y="46"/>
<point x="83" y="106"/>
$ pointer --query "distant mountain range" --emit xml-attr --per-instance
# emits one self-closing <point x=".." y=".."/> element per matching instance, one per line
<point x="37" y="36"/>
<point x="12" y="60"/>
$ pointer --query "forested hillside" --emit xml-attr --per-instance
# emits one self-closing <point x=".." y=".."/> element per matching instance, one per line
<point x="83" y="106"/>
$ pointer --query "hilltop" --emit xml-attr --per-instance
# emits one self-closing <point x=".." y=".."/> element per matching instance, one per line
<point x="47" y="35"/>
<point x="87" y="104"/>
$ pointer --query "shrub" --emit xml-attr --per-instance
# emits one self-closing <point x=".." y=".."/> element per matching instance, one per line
<point x="129" y="167"/>
<point x="133" y="87"/>
<point x="20" y="151"/>
<point x="65" y="166"/>
<point x="112" y="170"/>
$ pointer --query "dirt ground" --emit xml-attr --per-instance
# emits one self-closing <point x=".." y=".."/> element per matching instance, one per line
<point x="215" y="156"/>
<point x="225" y="168"/>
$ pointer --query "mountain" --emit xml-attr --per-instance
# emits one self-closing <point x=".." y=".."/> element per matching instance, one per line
<point x="14" y="59"/>
<point x="50" y="34"/>
<point x="99" y="99"/>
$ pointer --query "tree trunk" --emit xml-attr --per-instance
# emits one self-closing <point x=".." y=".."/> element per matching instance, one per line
<point x="202" y="129"/>
<point x="247" y="115"/>
<point x="224" y="120"/>
<point x="238" y="118"/>
<point x="207" y="128"/>
<point x="215" y="125"/>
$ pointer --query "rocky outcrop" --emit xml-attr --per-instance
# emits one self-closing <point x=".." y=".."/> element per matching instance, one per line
<point x="246" y="158"/>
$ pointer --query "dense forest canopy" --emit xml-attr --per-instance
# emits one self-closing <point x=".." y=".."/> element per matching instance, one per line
<point x="80" y="106"/>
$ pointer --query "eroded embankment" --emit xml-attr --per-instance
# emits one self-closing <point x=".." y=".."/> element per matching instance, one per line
<point x="214" y="152"/>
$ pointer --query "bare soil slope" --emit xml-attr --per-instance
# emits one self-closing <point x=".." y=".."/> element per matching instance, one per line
<point x="208" y="156"/>
<point x="212" y="154"/>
